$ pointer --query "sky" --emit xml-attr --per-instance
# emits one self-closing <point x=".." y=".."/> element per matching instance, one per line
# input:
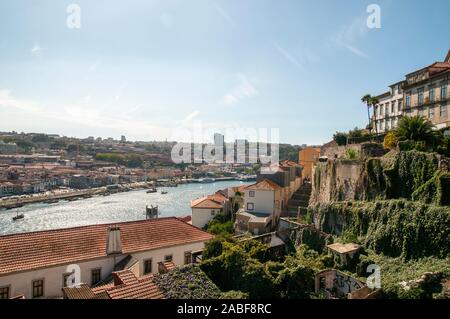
<point x="148" y="69"/>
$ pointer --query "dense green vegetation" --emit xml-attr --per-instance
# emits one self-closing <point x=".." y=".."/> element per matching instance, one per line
<point x="395" y="227"/>
<point x="221" y="224"/>
<point x="187" y="282"/>
<point x="130" y="160"/>
<point x="411" y="175"/>
<point x="250" y="267"/>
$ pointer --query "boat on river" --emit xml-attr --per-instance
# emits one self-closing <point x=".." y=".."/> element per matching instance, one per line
<point x="152" y="190"/>
<point x="164" y="192"/>
<point x="18" y="216"/>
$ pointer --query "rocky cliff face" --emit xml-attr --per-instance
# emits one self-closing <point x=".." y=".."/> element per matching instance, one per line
<point x="397" y="204"/>
<point x="411" y="175"/>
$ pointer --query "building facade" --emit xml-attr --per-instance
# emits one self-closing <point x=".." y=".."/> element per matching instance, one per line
<point x="37" y="264"/>
<point x="390" y="108"/>
<point x="424" y="92"/>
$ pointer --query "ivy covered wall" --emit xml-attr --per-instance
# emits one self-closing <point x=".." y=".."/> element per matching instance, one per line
<point x="410" y="175"/>
<point x="393" y="227"/>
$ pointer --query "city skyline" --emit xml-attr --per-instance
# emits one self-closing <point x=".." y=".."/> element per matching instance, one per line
<point x="144" y="69"/>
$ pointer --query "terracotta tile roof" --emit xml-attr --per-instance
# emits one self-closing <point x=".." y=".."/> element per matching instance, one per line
<point x="289" y="163"/>
<point x="186" y="219"/>
<point x="26" y="251"/>
<point x="265" y="184"/>
<point x="126" y="286"/>
<point x="214" y="201"/>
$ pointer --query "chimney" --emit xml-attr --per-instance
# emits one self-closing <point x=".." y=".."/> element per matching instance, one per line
<point x="113" y="244"/>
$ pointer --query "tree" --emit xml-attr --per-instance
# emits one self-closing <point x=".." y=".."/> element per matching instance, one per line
<point x="340" y="138"/>
<point x="370" y="101"/>
<point x="417" y="129"/>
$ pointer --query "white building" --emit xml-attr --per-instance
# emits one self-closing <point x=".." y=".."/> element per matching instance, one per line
<point x="204" y="209"/>
<point x="389" y="109"/>
<point x="262" y="207"/>
<point x="37" y="264"/>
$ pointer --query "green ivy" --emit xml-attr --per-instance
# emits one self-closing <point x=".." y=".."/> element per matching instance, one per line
<point x="393" y="227"/>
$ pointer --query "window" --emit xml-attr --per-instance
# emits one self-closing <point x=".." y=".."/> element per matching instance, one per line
<point x="381" y="109"/>
<point x="38" y="288"/>
<point x="431" y="93"/>
<point x="168" y="258"/>
<point x="443" y="91"/>
<point x="420" y="96"/>
<point x="250" y="206"/>
<point x="386" y="108"/>
<point x="147" y="266"/>
<point x="4" y="292"/>
<point x="408" y="99"/>
<point x="251" y="193"/>
<point x="393" y="107"/>
<point x="392" y="123"/>
<point x="399" y="105"/>
<point x="387" y="125"/>
<point x="431" y="112"/>
<point x="443" y="110"/>
<point x="96" y="276"/>
<point x="66" y="278"/>
<point x="187" y="258"/>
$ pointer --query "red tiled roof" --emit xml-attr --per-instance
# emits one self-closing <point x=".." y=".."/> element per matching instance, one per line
<point x="186" y="219"/>
<point x="26" y="251"/>
<point x="265" y="184"/>
<point x="126" y="286"/>
<point x="214" y="201"/>
<point x="289" y="163"/>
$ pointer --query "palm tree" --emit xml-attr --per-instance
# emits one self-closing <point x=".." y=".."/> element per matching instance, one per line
<point x="415" y="128"/>
<point x="370" y="101"/>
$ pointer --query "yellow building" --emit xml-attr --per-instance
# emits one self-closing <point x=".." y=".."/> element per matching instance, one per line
<point x="307" y="157"/>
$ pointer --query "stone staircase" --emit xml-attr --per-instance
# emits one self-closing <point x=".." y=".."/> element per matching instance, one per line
<point x="299" y="201"/>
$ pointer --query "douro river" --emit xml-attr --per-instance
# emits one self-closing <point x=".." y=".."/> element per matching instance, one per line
<point x="119" y="207"/>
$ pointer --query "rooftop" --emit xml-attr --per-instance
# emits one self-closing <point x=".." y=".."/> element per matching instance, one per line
<point x="126" y="286"/>
<point x="34" y="250"/>
<point x="265" y="184"/>
<point x="344" y="248"/>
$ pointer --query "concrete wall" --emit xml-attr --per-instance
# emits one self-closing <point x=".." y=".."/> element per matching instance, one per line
<point x="21" y="283"/>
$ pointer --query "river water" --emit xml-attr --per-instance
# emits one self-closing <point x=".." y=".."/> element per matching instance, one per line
<point x="118" y="207"/>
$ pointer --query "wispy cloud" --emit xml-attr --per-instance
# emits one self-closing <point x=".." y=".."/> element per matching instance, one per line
<point x="191" y="116"/>
<point x="7" y="100"/>
<point x="224" y="14"/>
<point x="84" y="116"/>
<point x="37" y="50"/>
<point x="347" y="37"/>
<point x="245" y="89"/>
<point x="287" y="55"/>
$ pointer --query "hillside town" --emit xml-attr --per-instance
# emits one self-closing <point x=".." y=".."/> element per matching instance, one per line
<point x="346" y="220"/>
<point x="309" y="229"/>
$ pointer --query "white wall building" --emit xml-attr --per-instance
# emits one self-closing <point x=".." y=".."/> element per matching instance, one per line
<point x="204" y="209"/>
<point x="389" y="109"/>
<point x="36" y="265"/>
<point x="262" y="207"/>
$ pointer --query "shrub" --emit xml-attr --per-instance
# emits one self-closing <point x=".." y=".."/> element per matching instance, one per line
<point x="390" y="140"/>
